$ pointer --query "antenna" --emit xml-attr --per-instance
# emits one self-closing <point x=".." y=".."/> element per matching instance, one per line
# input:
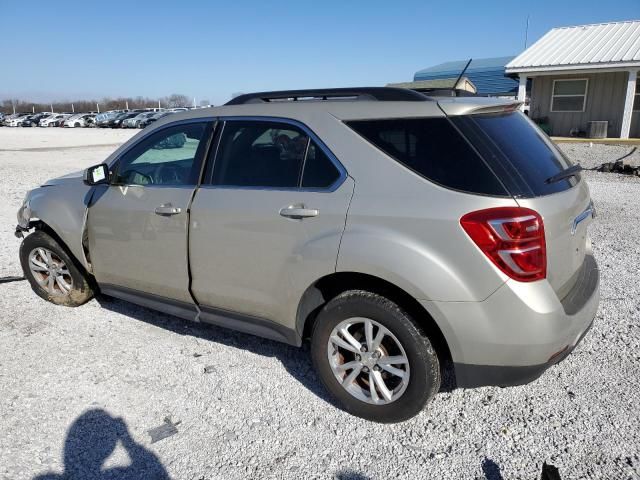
<point x="455" y="85"/>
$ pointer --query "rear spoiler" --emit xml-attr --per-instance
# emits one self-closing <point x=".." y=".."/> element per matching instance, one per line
<point x="476" y="106"/>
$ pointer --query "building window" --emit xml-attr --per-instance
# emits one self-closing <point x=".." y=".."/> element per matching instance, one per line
<point x="569" y="95"/>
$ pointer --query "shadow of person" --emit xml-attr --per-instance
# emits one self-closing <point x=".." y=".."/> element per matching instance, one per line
<point x="350" y="475"/>
<point x="91" y="439"/>
<point x="491" y="470"/>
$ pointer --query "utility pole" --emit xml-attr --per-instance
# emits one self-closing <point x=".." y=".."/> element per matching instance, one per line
<point x="73" y="109"/>
<point x="33" y="108"/>
<point x="51" y="107"/>
<point x="526" y="33"/>
<point x="194" y="102"/>
<point x="126" y="102"/>
<point x="98" y="107"/>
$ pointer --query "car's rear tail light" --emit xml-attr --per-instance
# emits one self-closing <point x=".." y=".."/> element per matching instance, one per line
<point x="512" y="238"/>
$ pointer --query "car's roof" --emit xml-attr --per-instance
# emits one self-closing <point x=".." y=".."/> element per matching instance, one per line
<point x="349" y="109"/>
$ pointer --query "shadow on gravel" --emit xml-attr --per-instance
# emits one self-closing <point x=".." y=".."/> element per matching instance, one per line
<point x="296" y="361"/>
<point x="491" y="470"/>
<point x="91" y="439"/>
<point x="350" y="475"/>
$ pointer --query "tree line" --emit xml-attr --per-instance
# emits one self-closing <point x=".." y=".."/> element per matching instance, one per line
<point x="172" y="101"/>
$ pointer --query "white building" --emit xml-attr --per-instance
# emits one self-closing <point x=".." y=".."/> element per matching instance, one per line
<point x="582" y="74"/>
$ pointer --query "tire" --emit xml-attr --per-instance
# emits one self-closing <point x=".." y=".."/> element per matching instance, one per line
<point x="406" y="339"/>
<point x="77" y="125"/>
<point x="79" y="290"/>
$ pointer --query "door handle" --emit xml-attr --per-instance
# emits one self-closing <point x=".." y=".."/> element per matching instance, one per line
<point x="298" y="212"/>
<point x="167" y="210"/>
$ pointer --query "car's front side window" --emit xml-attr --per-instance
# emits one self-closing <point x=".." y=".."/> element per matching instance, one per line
<point x="167" y="157"/>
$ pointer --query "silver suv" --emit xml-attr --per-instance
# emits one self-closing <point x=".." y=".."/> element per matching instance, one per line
<point x="401" y="234"/>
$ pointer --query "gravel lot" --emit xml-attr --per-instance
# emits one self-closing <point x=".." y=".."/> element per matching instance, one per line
<point x="82" y="386"/>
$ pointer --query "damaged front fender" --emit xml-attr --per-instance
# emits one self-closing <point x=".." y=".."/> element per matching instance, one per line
<point x="63" y="209"/>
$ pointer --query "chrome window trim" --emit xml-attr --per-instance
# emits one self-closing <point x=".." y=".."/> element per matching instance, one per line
<point x="296" y="123"/>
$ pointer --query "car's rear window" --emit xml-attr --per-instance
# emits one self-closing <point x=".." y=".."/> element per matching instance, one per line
<point x="433" y="148"/>
<point x="518" y="151"/>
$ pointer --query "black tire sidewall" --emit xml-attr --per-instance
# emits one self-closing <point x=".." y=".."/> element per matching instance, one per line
<point x="81" y="291"/>
<point x="423" y="361"/>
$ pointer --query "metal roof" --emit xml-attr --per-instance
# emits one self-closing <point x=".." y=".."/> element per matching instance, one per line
<point x="487" y="74"/>
<point x="602" y="45"/>
<point x="476" y="64"/>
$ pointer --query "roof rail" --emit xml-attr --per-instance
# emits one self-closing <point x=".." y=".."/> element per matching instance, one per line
<point x="380" y="94"/>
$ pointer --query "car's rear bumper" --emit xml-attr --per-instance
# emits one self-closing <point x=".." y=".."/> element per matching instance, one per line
<point x="470" y="376"/>
<point x="517" y="333"/>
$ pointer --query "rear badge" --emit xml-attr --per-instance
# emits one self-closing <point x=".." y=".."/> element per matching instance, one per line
<point x="589" y="212"/>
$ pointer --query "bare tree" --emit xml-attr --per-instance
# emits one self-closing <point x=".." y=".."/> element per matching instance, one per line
<point x="89" y="105"/>
<point x="177" y="100"/>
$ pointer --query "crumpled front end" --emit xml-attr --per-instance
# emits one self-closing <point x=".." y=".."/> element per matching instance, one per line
<point x="24" y="216"/>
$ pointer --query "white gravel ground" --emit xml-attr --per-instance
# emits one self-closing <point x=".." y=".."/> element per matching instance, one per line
<point x="80" y="386"/>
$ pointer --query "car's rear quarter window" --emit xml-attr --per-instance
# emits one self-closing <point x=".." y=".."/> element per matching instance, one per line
<point x="434" y="149"/>
<point x="524" y="157"/>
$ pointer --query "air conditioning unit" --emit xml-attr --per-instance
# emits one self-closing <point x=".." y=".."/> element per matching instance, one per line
<point x="598" y="129"/>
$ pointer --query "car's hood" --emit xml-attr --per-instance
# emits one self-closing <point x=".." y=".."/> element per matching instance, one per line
<point x="69" y="178"/>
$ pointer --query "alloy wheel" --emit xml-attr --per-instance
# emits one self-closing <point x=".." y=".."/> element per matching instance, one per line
<point x="368" y="361"/>
<point x="50" y="271"/>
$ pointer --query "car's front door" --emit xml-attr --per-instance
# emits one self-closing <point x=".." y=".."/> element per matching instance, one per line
<point x="267" y="222"/>
<point x="137" y="225"/>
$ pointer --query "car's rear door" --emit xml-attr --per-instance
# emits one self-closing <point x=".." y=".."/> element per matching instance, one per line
<point x="137" y="226"/>
<point x="268" y="221"/>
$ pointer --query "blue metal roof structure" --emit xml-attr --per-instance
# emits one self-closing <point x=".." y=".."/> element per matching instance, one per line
<point x="487" y="74"/>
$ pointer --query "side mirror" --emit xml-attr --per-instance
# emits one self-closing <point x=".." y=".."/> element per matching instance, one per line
<point x="97" y="175"/>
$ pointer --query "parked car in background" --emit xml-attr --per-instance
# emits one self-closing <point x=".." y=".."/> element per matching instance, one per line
<point x="16" y="121"/>
<point x="5" y="118"/>
<point x="79" y="120"/>
<point x="397" y="232"/>
<point x="134" y="122"/>
<point x="29" y="120"/>
<point x="9" y="117"/>
<point x="34" y="120"/>
<point x="102" y="119"/>
<point x="116" y="122"/>
<point x="152" y="118"/>
<point x="129" y="121"/>
<point x="54" y="120"/>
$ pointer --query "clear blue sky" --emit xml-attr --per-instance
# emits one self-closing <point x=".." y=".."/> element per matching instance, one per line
<point x="63" y="50"/>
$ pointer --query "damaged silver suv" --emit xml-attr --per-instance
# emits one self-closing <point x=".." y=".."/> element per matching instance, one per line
<point x="399" y="233"/>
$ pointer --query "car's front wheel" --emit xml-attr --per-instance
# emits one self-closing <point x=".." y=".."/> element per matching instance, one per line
<point x="52" y="272"/>
<point x="373" y="357"/>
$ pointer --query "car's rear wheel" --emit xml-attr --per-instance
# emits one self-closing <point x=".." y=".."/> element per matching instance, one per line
<point x="52" y="272"/>
<point x="373" y="358"/>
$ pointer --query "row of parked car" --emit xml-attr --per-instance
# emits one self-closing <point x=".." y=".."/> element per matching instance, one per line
<point x="138" y="118"/>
